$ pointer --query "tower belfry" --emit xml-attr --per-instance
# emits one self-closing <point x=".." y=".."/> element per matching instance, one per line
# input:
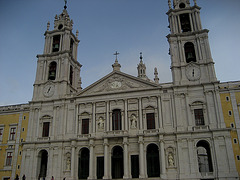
<point x="58" y="71"/>
<point x="189" y="46"/>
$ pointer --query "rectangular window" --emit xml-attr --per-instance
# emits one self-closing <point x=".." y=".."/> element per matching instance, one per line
<point x="6" y="178"/>
<point x="227" y="98"/>
<point x="235" y="141"/>
<point x="229" y="113"/>
<point x="150" y="121"/>
<point x="199" y="119"/>
<point x="9" y="159"/>
<point x="45" y="132"/>
<point x="1" y="133"/>
<point x="24" y="117"/>
<point x="232" y="125"/>
<point x="12" y="133"/>
<point x="116" y="120"/>
<point x="85" y="126"/>
<point x="238" y="158"/>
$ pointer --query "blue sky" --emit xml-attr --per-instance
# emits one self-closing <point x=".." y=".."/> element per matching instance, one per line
<point x="106" y="26"/>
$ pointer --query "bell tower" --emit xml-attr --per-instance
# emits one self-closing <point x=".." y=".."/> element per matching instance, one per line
<point x="58" y="71"/>
<point x="191" y="60"/>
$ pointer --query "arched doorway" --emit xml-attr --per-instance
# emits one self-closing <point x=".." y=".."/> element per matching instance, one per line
<point x="189" y="52"/>
<point x="117" y="162"/>
<point x="43" y="158"/>
<point x="153" y="166"/>
<point x="83" y="164"/>
<point x="52" y="71"/>
<point x="204" y="157"/>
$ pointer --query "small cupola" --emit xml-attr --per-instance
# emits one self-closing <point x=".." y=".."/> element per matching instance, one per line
<point x="180" y="4"/>
<point x="63" y="21"/>
<point x="116" y="66"/>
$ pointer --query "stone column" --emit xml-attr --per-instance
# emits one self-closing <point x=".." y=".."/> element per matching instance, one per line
<point x="122" y="123"/>
<point x="140" y="113"/>
<point x="76" y="119"/>
<point x="45" y="74"/>
<point x="33" y="160"/>
<point x="106" y="164"/>
<point x="73" y="145"/>
<point x="36" y="115"/>
<point x="110" y="122"/>
<point x="107" y="118"/>
<point x="141" y="157"/>
<point x="94" y="118"/>
<point x="160" y="113"/>
<point x="91" y="159"/>
<point x="125" y="114"/>
<point x="163" y="159"/>
<point x="50" y="163"/>
<point x="125" y="160"/>
<point x="191" y="22"/>
<point x="179" y="25"/>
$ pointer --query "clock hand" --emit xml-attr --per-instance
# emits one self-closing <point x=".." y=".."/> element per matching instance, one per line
<point x="49" y="89"/>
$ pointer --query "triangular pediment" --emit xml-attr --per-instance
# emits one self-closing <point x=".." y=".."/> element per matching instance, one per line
<point x="115" y="82"/>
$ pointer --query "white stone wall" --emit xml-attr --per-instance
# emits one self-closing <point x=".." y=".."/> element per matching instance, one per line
<point x="175" y="133"/>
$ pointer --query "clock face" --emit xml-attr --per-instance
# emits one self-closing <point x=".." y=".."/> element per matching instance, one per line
<point x="116" y="84"/>
<point x="48" y="90"/>
<point x="193" y="73"/>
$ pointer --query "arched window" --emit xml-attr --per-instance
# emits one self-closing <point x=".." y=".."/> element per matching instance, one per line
<point x="153" y="166"/>
<point x="52" y="71"/>
<point x="189" y="52"/>
<point x="71" y="44"/>
<point x="204" y="157"/>
<point x="117" y="162"/>
<point x="43" y="158"/>
<point x="116" y="120"/>
<point x="56" y="43"/>
<point x="185" y="22"/>
<point x="83" y="164"/>
<point x="71" y="75"/>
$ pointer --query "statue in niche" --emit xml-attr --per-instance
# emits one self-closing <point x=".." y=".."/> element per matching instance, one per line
<point x="133" y="121"/>
<point x="100" y="123"/>
<point x="68" y="164"/>
<point x="170" y="160"/>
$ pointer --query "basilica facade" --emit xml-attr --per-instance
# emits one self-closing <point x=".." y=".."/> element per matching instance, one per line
<point x="124" y="127"/>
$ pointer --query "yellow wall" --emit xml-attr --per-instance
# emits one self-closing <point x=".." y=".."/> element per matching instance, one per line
<point x="226" y="107"/>
<point x="22" y="136"/>
<point x="7" y="120"/>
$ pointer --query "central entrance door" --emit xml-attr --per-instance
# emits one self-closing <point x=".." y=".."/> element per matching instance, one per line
<point x="83" y="165"/>
<point x="117" y="162"/>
